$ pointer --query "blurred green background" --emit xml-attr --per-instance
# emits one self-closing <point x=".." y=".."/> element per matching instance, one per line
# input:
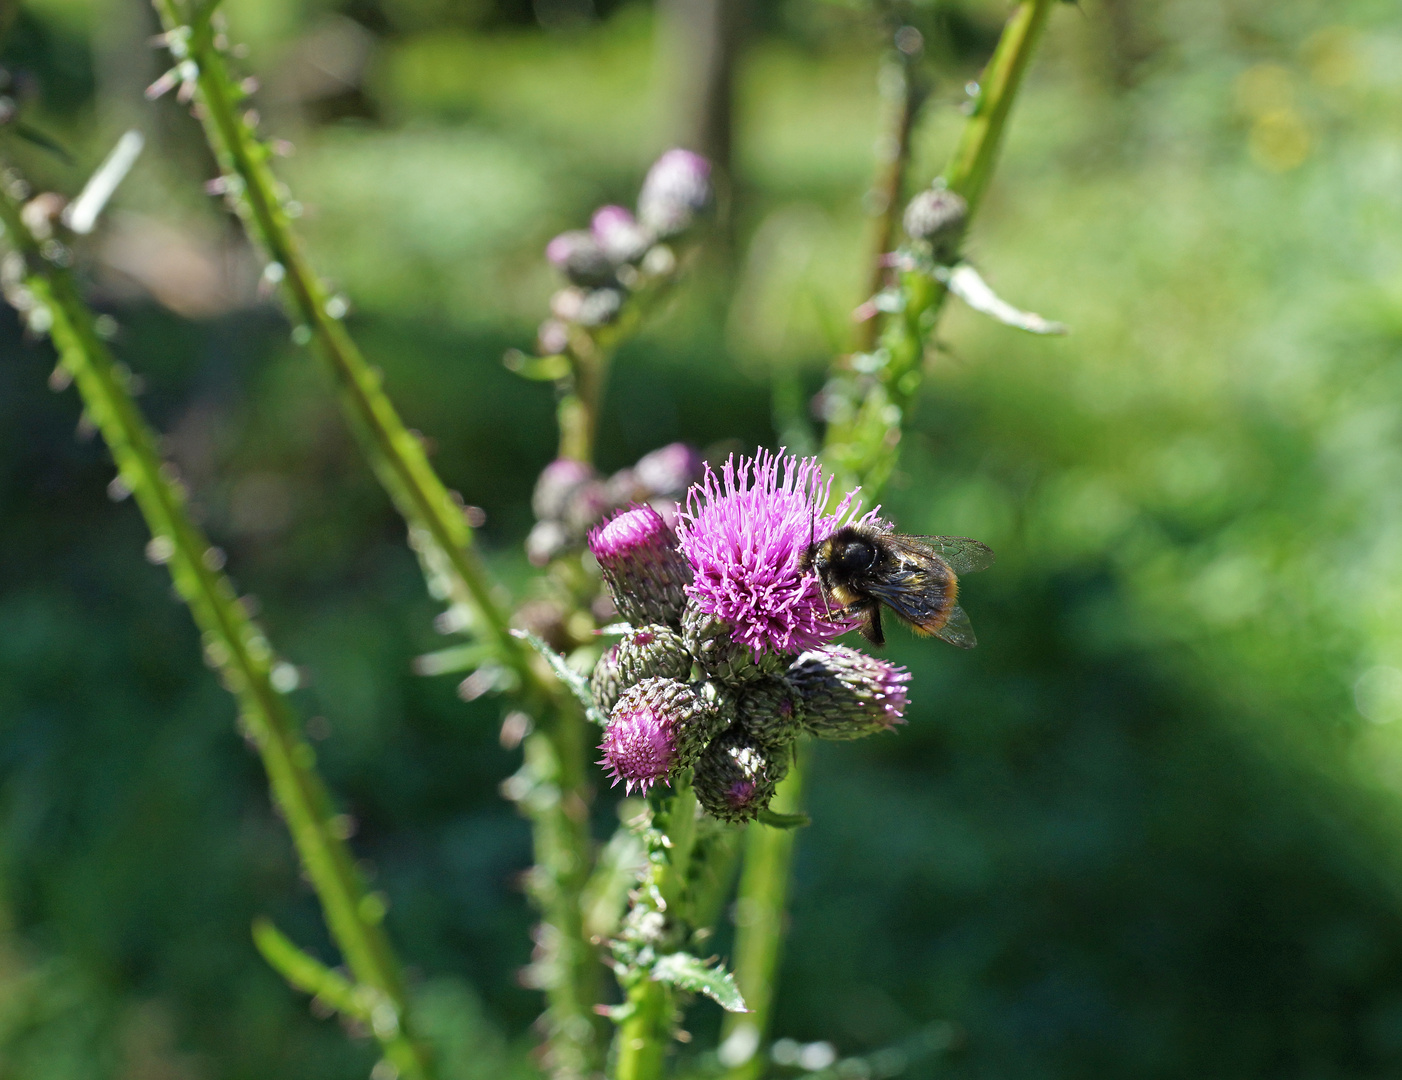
<point x="1151" y="827"/>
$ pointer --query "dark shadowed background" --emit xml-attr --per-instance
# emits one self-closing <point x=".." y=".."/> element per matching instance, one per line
<point x="1150" y="828"/>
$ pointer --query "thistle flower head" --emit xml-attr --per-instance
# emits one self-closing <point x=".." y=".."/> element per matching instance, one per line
<point x="677" y="187"/>
<point x="578" y="256"/>
<point x="642" y="567"/>
<point x="736" y="775"/>
<point x="639" y="747"/>
<point x="847" y="694"/>
<point x="746" y="534"/>
<point x="657" y="725"/>
<point x="621" y="237"/>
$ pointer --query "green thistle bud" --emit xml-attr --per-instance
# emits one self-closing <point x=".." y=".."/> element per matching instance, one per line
<point x="650" y="651"/>
<point x="847" y="694"/>
<point x="737" y="774"/>
<point x="770" y="710"/>
<point x="708" y="638"/>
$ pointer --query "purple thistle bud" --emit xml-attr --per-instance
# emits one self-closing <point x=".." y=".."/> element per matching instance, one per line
<point x="747" y="534"/>
<point x="847" y="694"/>
<point x="642" y="567"/>
<point x="546" y="540"/>
<point x="620" y="236"/>
<point x="677" y="187"/>
<point x="600" y="307"/>
<point x="669" y="470"/>
<point x="655" y="727"/>
<point x="556" y="485"/>
<point x="736" y="775"/>
<point x="578" y="256"/>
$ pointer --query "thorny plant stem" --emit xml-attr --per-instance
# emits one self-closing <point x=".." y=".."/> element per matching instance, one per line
<point x="860" y="448"/>
<point x="232" y="642"/>
<point x="438" y="528"/>
<point x="643" y="1038"/>
<point x="759" y="918"/>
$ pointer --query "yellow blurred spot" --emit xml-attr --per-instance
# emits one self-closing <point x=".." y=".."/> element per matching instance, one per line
<point x="1332" y="56"/>
<point x="1279" y="140"/>
<point x="1264" y="88"/>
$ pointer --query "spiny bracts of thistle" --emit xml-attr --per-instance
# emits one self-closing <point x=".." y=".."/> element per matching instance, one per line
<point x="620" y="255"/>
<point x="571" y="498"/>
<point x="644" y="571"/>
<point x="731" y="659"/>
<point x="656" y="726"/>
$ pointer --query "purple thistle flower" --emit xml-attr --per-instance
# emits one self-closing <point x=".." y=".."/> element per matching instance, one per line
<point x="657" y="725"/>
<point x="621" y="237"/>
<point x="639" y="747"/>
<point x="746" y="535"/>
<point x="642" y="567"/>
<point x="677" y="187"/>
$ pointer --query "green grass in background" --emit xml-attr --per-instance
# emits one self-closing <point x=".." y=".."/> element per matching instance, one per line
<point x="1144" y="830"/>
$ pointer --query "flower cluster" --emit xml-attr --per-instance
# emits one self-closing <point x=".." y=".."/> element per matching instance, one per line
<point x="729" y="657"/>
<point x="620" y="254"/>
<point x="570" y="497"/>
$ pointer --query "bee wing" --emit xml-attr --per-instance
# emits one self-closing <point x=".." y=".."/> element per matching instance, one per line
<point x="958" y="630"/>
<point x="918" y="593"/>
<point x="964" y="556"/>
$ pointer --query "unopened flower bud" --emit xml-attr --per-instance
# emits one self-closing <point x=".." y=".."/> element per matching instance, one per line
<point x="642" y="567"/>
<point x="677" y="188"/>
<point x="736" y="775"/>
<point x="578" y="256"/>
<point x="770" y="710"/>
<point x="937" y="215"/>
<point x="669" y="470"/>
<point x="556" y="485"/>
<point x="552" y="337"/>
<point x="622" y="239"/>
<point x="847" y="694"/>
<point x="546" y="540"/>
<point x="600" y="307"/>
<point x="652" y="651"/>
<point x="587" y="504"/>
<point x="709" y="638"/>
<point x="656" y="727"/>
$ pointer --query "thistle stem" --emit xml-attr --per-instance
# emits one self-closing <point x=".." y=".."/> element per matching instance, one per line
<point x="861" y="449"/>
<point x="233" y="642"/>
<point x="646" y="1033"/>
<point x="438" y="527"/>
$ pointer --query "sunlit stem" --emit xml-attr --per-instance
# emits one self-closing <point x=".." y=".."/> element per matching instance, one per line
<point x="861" y="451"/>
<point x="644" y="1037"/>
<point x="233" y="643"/>
<point x="402" y="467"/>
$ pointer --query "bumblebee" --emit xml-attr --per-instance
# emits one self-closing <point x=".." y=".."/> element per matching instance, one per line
<point x="917" y="577"/>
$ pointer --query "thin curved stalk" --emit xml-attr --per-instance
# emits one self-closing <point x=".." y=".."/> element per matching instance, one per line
<point x="439" y="531"/>
<point x="232" y="641"/>
<point x="861" y="450"/>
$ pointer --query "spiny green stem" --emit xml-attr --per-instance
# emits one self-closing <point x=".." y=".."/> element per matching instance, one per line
<point x="434" y="515"/>
<point x="861" y="449"/>
<point x="759" y="918"/>
<point x="643" y="1038"/>
<point x="233" y="642"/>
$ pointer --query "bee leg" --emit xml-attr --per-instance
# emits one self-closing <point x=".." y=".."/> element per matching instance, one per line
<point x="871" y="625"/>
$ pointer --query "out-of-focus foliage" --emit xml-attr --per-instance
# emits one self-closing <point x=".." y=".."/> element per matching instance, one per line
<point x="1150" y="827"/>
